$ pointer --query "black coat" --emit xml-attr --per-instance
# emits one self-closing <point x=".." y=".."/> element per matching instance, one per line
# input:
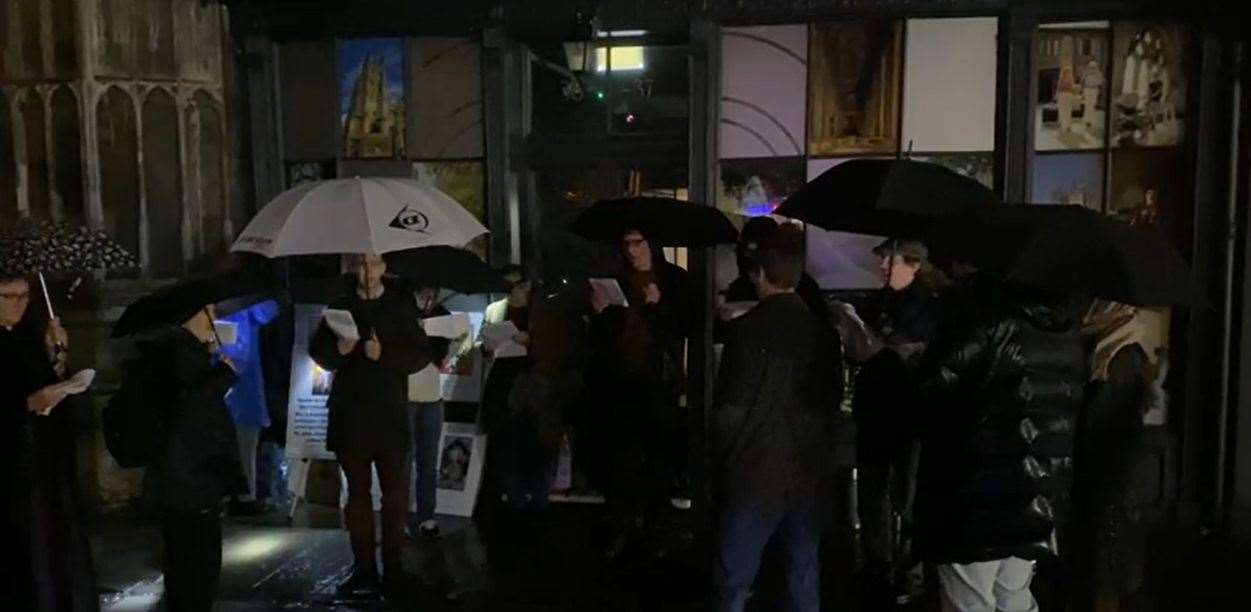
<point x="50" y="565"/>
<point x="198" y="463"/>
<point x="885" y="389"/>
<point x="996" y="469"/>
<point x="776" y="400"/>
<point x="668" y="323"/>
<point x="1107" y="536"/>
<point x="368" y="402"/>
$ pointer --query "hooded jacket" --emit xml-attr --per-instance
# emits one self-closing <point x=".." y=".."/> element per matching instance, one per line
<point x="1003" y="393"/>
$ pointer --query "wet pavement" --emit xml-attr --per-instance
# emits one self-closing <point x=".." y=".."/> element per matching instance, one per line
<point x="538" y="561"/>
<point x="551" y="560"/>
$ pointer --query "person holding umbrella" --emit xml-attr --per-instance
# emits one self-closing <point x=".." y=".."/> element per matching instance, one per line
<point x="369" y="416"/>
<point x="1003" y="392"/>
<point x="640" y="363"/>
<point x="637" y="356"/>
<point x="49" y="555"/>
<point x="882" y="404"/>
<point x="179" y="381"/>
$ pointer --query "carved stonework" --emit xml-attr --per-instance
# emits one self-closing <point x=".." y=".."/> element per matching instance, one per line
<point x="137" y="49"/>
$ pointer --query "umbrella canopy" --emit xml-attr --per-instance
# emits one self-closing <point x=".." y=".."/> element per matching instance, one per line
<point x="446" y="268"/>
<point x="175" y="304"/>
<point x="372" y="215"/>
<point x="884" y="197"/>
<point x="665" y="222"/>
<point x="34" y="248"/>
<point x="1070" y="249"/>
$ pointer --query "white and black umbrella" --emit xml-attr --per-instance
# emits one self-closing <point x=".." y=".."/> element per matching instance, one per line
<point x="372" y="215"/>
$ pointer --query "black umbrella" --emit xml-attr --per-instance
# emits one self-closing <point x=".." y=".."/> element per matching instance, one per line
<point x="884" y="197"/>
<point x="1070" y="249"/>
<point x="33" y="248"/>
<point x="446" y="268"/>
<point x="664" y="221"/>
<point x="175" y="304"/>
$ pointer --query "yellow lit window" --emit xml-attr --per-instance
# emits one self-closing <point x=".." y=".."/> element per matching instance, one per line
<point x="623" y="59"/>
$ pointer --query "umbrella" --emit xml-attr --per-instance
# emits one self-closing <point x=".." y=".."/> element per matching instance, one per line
<point x="176" y="303"/>
<point x="885" y="197"/>
<point x="358" y="215"/>
<point x="447" y="268"/>
<point x="665" y="222"/>
<point x="38" y="248"/>
<point x="1070" y="249"/>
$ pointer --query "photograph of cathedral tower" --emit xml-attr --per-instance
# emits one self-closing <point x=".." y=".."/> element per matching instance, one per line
<point x="372" y="98"/>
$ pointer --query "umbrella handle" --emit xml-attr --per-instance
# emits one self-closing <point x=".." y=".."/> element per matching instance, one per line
<point x="47" y="301"/>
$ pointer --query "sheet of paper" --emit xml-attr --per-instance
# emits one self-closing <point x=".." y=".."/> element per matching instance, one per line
<point x="342" y="324"/>
<point x="449" y="326"/>
<point x="612" y="290"/>
<point x="227" y="332"/>
<point x="498" y="333"/>
<point x="426" y="385"/>
<point x="510" y="349"/>
<point x="78" y="383"/>
<point x="734" y="310"/>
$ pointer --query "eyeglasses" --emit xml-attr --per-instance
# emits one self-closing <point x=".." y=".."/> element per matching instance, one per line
<point x="16" y="297"/>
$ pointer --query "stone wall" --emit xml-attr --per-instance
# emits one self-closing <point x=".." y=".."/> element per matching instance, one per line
<point x="121" y="115"/>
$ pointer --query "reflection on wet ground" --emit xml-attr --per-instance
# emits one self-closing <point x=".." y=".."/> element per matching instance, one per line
<point x="539" y="561"/>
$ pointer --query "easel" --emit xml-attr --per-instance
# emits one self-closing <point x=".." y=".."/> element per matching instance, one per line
<point x="301" y="488"/>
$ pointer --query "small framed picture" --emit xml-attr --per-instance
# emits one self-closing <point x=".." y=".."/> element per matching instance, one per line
<point x="462" y="453"/>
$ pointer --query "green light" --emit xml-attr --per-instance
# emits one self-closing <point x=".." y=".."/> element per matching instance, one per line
<point x="599" y="95"/>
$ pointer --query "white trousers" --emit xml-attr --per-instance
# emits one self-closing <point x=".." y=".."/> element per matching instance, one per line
<point x="989" y="586"/>
<point x="249" y="440"/>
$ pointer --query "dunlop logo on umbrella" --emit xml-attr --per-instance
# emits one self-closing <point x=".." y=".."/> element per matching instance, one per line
<point x="411" y="220"/>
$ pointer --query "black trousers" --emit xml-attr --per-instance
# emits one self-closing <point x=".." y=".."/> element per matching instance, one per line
<point x="393" y="479"/>
<point x="886" y="484"/>
<point x="193" y="559"/>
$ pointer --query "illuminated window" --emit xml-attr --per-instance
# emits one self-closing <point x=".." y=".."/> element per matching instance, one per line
<point x="624" y="59"/>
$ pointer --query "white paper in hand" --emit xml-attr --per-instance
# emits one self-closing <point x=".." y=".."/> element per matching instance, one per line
<point x="342" y="324"/>
<point x="496" y="334"/>
<point x="611" y="290"/>
<point x="78" y="383"/>
<point x="449" y="326"/>
<point x="227" y="332"/>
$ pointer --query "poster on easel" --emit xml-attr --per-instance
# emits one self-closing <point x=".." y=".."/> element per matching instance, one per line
<point x="307" y="415"/>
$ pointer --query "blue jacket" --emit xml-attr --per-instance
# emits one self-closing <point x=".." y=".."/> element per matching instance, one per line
<point x="247" y="398"/>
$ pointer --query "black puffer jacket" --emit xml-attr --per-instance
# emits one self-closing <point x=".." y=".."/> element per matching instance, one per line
<point x="996" y="469"/>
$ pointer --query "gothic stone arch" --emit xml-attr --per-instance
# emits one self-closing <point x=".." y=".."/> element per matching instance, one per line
<point x="162" y="183"/>
<point x="119" y="167"/>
